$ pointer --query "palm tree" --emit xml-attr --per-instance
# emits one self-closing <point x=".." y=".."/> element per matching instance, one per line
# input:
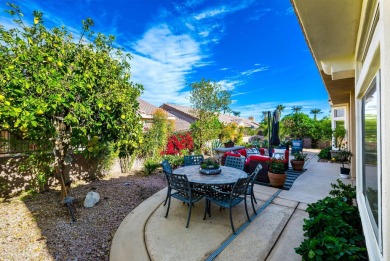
<point x="280" y="108"/>
<point x="265" y="115"/>
<point x="315" y="112"/>
<point x="236" y="113"/>
<point x="296" y="109"/>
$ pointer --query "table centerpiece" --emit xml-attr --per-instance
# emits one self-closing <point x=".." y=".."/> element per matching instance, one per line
<point x="208" y="167"/>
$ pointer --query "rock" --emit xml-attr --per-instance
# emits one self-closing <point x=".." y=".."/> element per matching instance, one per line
<point x="91" y="199"/>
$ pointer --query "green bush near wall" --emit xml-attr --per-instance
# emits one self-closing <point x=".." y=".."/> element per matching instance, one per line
<point x="334" y="230"/>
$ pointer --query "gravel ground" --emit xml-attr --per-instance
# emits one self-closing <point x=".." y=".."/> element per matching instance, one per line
<point x="38" y="227"/>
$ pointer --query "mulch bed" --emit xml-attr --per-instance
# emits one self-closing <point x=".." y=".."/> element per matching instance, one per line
<point x="38" y="227"/>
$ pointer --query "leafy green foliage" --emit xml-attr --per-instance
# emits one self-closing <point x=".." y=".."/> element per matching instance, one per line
<point x="157" y="136"/>
<point x="209" y="164"/>
<point x="75" y="92"/>
<point x="342" y="190"/>
<point x="333" y="229"/>
<point x="325" y="153"/>
<point x="174" y="160"/>
<point x="150" y="166"/>
<point x="297" y="125"/>
<point x="300" y="156"/>
<point x="276" y="166"/>
<point x="207" y="100"/>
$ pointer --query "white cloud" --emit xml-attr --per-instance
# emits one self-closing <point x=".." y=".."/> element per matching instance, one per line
<point x="161" y="62"/>
<point x="229" y="85"/>
<point x="212" y="12"/>
<point x="289" y="11"/>
<point x="252" y="71"/>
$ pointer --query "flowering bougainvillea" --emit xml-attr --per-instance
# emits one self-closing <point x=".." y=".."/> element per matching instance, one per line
<point x="179" y="142"/>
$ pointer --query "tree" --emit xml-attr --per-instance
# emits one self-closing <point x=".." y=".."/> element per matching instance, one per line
<point x="280" y="108"/>
<point x="296" y="109"/>
<point x="207" y="100"/>
<point x="265" y="116"/>
<point x="236" y="113"/>
<point x="297" y="125"/>
<point x="76" y="94"/>
<point x="315" y="112"/>
<point x="156" y="137"/>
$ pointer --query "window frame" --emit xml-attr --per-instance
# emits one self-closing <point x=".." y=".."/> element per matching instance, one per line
<point x="377" y="228"/>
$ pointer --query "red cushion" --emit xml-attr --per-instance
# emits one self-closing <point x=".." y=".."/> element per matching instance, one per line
<point x="259" y="158"/>
<point x="229" y="153"/>
<point x="242" y="152"/>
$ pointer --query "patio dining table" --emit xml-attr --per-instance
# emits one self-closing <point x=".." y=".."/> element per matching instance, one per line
<point x="227" y="176"/>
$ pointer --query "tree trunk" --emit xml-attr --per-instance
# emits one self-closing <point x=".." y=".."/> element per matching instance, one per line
<point x="63" y="156"/>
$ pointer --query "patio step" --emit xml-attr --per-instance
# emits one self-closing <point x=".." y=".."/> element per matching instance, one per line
<point x="259" y="238"/>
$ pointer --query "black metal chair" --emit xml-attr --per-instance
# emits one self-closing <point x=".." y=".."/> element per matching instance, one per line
<point x="167" y="169"/>
<point x="193" y="160"/>
<point x="229" y="199"/>
<point x="250" y="191"/>
<point x="235" y="162"/>
<point x="183" y="192"/>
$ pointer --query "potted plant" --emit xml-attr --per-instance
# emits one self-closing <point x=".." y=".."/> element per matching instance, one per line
<point x="298" y="161"/>
<point x="229" y="144"/>
<point x="209" y="167"/>
<point x="276" y="173"/>
<point x="344" y="157"/>
<point x="339" y="136"/>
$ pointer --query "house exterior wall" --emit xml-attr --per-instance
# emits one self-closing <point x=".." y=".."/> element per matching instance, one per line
<point x="372" y="58"/>
<point x="385" y="98"/>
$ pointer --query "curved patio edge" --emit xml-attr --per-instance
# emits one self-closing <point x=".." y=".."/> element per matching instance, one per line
<point x="129" y="239"/>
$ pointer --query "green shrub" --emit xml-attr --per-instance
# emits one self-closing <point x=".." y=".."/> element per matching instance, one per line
<point x="150" y="166"/>
<point x="325" y="154"/>
<point x="174" y="160"/>
<point x="333" y="230"/>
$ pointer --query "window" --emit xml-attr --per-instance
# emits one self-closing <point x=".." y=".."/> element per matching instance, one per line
<point x="371" y="155"/>
<point x="339" y="120"/>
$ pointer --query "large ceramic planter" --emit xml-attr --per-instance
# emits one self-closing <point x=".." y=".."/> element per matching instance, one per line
<point x="297" y="165"/>
<point x="277" y="180"/>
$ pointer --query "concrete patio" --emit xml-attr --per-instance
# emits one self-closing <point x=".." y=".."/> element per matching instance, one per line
<point x="272" y="235"/>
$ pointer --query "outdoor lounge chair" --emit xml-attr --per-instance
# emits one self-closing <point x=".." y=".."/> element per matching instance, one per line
<point x="229" y="199"/>
<point x="193" y="160"/>
<point x="183" y="192"/>
<point x="167" y="169"/>
<point x="235" y="162"/>
<point x="296" y="146"/>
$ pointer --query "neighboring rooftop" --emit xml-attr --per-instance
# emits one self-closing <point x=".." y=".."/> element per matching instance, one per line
<point x="185" y="117"/>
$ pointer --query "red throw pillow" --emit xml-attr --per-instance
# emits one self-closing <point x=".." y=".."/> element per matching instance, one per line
<point x="230" y="153"/>
<point x="242" y="152"/>
<point x="259" y="158"/>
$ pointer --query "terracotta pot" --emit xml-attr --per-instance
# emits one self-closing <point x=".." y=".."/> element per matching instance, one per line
<point x="297" y="164"/>
<point x="277" y="180"/>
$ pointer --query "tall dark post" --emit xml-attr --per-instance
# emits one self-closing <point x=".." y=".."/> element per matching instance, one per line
<point x="269" y="134"/>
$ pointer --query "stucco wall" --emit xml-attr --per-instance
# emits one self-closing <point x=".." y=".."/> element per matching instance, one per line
<point x="12" y="180"/>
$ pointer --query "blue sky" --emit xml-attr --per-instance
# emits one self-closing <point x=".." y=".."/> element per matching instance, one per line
<point x="254" y="49"/>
